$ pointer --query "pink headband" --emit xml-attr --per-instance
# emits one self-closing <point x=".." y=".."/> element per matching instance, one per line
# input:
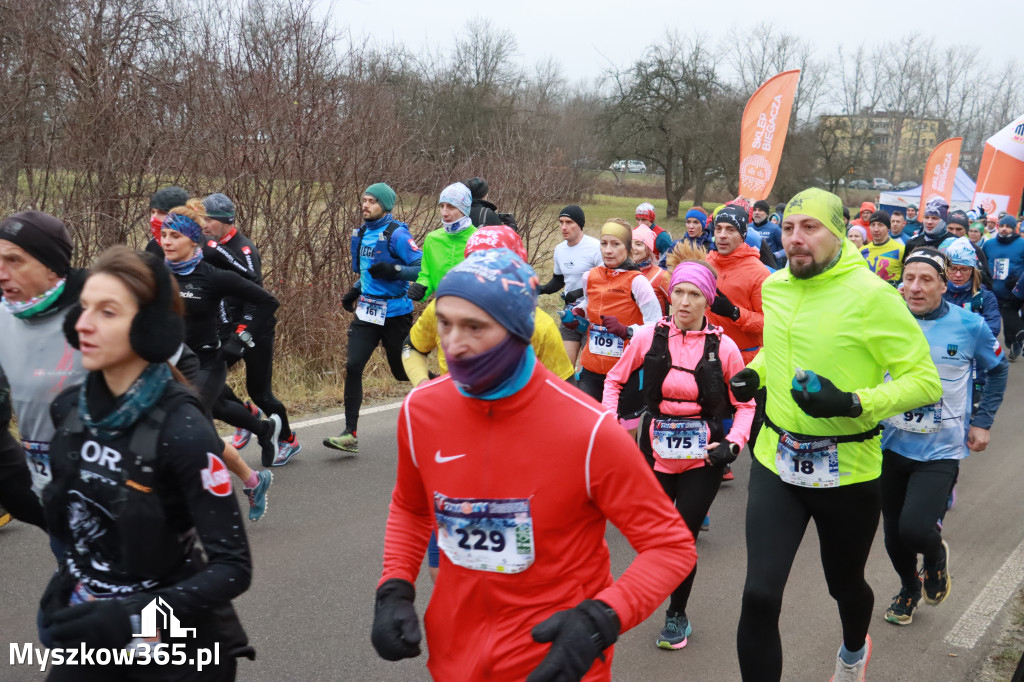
<point x="697" y="275"/>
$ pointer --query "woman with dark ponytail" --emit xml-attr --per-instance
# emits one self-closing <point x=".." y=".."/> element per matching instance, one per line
<point x="138" y="478"/>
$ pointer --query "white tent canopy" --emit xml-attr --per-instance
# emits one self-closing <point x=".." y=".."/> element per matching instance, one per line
<point x="963" y="193"/>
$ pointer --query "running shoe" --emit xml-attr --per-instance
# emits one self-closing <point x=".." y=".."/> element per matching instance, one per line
<point x="936" y="579"/>
<point x="728" y="476"/>
<point x="346" y="442"/>
<point x="258" y="495"/>
<point x="287" y="449"/>
<point x="242" y="436"/>
<point x="5" y="517"/>
<point x="846" y="672"/>
<point x="901" y="611"/>
<point x="268" y="442"/>
<point x="677" y="629"/>
<point x="705" y="525"/>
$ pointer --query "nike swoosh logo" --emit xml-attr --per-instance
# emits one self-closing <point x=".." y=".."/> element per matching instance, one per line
<point x="440" y="459"/>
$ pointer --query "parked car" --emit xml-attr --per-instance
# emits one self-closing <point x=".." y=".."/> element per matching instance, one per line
<point x="859" y="184"/>
<point x="634" y="166"/>
<point x="881" y="184"/>
<point x="907" y="184"/>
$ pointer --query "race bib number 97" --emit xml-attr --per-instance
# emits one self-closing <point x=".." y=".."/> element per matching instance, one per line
<point x="485" y="535"/>
<point x="927" y="419"/>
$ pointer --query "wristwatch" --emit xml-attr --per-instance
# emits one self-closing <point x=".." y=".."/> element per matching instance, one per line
<point x="733" y="448"/>
<point x="856" y="409"/>
<point x="246" y="338"/>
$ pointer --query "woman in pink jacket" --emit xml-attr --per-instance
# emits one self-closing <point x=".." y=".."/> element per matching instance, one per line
<point x="687" y="365"/>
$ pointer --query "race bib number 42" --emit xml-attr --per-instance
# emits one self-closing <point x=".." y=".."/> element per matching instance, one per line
<point x="603" y="342"/>
<point x="485" y="535"/>
<point x="809" y="464"/>
<point x="372" y="310"/>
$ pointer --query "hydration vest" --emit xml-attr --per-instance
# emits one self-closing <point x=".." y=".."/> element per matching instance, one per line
<point x="150" y="548"/>
<point x="712" y="391"/>
<point x="382" y="247"/>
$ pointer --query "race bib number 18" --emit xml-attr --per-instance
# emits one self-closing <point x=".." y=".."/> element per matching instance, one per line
<point x="809" y="464"/>
<point x="485" y="535"/>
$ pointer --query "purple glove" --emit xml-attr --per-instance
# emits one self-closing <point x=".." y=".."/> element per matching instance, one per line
<point x="612" y="324"/>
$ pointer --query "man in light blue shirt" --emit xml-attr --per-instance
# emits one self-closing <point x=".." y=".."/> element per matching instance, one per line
<point x="922" y="448"/>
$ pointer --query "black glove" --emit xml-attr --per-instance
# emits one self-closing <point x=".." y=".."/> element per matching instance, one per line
<point x="233" y="349"/>
<point x="578" y="637"/>
<point x="416" y="291"/>
<point x="723" y="455"/>
<point x="744" y="384"/>
<point x="724" y="307"/>
<point x="56" y="595"/>
<point x="348" y="301"/>
<point x="396" y="630"/>
<point x="104" y="623"/>
<point x="827" y="402"/>
<point x="385" y="270"/>
<point x="572" y="296"/>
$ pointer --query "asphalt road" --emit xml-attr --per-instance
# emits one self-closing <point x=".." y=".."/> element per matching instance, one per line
<point x="317" y="559"/>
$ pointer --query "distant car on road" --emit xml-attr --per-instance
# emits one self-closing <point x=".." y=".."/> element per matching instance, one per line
<point x="859" y="184"/>
<point x="635" y="166"/>
<point x="881" y="184"/>
<point x="907" y="184"/>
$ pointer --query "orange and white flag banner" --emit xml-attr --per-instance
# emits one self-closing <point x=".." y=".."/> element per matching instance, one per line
<point x="763" y="133"/>
<point x="1001" y="175"/>
<point x="940" y="171"/>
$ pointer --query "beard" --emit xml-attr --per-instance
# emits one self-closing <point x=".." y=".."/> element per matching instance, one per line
<point x="808" y="270"/>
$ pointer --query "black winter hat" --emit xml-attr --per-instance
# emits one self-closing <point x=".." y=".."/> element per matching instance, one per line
<point x="167" y="198"/>
<point x="477" y="187"/>
<point x="958" y="218"/>
<point x="735" y="216"/>
<point x="763" y="205"/>
<point x="846" y="212"/>
<point x="44" y="237"/>
<point x="880" y="217"/>
<point x="573" y="213"/>
<point x="780" y="208"/>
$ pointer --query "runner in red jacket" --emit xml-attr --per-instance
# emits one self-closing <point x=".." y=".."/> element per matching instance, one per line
<point x="520" y="523"/>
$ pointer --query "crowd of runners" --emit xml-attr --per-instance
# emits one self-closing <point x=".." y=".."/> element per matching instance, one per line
<point x="857" y="362"/>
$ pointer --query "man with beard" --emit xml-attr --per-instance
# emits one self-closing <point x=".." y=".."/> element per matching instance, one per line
<point x="825" y="315"/>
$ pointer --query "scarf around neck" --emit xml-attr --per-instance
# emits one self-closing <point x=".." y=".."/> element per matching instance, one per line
<point x="32" y="307"/>
<point x="128" y="408"/>
<point x="186" y="267"/>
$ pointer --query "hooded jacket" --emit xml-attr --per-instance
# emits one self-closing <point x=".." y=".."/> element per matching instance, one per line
<point x="442" y="251"/>
<point x="740" y="277"/>
<point x="848" y="325"/>
<point x="1006" y="264"/>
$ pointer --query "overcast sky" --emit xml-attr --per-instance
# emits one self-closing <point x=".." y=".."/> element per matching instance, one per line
<point x="587" y="36"/>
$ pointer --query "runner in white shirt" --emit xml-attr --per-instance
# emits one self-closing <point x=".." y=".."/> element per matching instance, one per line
<point x="573" y="257"/>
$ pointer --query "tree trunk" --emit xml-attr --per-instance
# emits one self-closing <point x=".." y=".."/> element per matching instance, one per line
<point x="671" y="195"/>
<point x="700" y="186"/>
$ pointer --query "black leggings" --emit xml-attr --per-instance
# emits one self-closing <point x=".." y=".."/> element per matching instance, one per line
<point x="913" y="502"/>
<point x="259" y="375"/>
<point x="777" y="514"/>
<point x="363" y="339"/>
<point x="631" y="400"/>
<point x="16" y="495"/>
<point x="692" y="491"/>
<point x="1013" y="325"/>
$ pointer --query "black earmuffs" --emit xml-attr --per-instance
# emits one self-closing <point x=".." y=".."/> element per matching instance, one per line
<point x="157" y="331"/>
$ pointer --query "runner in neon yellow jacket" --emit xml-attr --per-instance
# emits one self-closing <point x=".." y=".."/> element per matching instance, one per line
<point x="851" y="327"/>
<point x="444" y="248"/>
